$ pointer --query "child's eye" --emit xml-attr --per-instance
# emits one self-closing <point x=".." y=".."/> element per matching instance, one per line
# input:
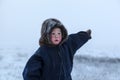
<point x="59" y="33"/>
<point x="53" y="33"/>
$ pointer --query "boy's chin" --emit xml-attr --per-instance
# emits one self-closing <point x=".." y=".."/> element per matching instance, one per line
<point x="56" y="43"/>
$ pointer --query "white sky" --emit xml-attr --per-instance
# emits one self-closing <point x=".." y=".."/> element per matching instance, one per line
<point x="20" y="20"/>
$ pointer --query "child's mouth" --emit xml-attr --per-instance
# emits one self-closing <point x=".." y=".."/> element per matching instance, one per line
<point x="56" y="40"/>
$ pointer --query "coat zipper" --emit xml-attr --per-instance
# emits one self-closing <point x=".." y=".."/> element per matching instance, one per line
<point x="62" y="66"/>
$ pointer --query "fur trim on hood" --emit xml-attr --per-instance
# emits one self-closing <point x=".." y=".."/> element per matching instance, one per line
<point x="47" y="27"/>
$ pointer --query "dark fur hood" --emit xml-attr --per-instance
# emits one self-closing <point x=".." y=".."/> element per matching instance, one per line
<point x="47" y="26"/>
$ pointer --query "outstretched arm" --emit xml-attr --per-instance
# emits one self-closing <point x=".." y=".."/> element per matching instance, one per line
<point x="75" y="41"/>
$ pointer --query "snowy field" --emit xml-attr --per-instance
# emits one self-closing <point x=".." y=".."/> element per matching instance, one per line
<point x="92" y="68"/>
<point x="88" y="65"/>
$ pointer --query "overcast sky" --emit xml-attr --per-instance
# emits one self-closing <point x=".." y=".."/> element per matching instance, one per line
<point x="20" y="20"/>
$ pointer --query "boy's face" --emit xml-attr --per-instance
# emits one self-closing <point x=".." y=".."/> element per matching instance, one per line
<point x="56" y="36"/>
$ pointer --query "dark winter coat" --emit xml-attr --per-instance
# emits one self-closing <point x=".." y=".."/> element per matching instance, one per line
<point x="54" y="62"/>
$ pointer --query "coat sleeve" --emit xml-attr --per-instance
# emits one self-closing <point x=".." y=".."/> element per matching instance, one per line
<point x="32" y="70"/>
<point x="75" y="41"/>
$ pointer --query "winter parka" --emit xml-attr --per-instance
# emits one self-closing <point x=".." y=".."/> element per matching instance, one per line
<point x="55" y="62"/>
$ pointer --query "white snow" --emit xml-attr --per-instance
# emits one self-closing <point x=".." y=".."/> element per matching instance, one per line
<point x="88" y="64"/>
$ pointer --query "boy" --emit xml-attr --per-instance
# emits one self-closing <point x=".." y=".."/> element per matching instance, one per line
<point x="54" y="58"/>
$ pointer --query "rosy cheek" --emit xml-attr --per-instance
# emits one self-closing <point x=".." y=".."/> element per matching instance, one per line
<point x="51" y="38"/>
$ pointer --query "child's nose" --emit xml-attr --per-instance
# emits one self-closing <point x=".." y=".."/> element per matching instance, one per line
<point x="56" y="35"/>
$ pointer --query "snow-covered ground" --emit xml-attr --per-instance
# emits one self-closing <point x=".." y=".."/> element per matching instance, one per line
<point x="89" y="64"/>
<point x="93" y="68"/>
